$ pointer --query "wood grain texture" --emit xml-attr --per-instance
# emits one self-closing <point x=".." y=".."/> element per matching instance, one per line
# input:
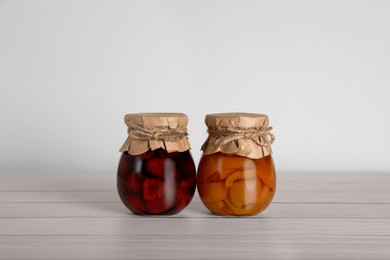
<point x="195" y="210"/>
<point x="79" y="216"/>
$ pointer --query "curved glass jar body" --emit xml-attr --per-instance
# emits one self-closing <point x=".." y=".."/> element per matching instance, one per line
<point x="236" y="185"/>
<point x="156" y="182"/>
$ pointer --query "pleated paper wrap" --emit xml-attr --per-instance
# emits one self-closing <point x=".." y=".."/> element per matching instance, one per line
<point x="241" y="134"/>
<point x="150" y="131"/>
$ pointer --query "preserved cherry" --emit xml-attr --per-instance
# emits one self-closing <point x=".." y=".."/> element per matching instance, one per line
<point x="156" y="182"/>
<point x="156" y="173"/>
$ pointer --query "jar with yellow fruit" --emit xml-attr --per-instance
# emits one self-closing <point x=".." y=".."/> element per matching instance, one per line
<point x="236" y="174"/>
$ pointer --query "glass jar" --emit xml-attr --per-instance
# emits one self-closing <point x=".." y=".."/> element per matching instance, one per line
<point x="156" y="173"/>
<point x="236" y="174"/>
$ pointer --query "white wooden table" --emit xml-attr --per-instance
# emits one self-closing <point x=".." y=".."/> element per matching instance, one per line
<point x="79" y="216"/>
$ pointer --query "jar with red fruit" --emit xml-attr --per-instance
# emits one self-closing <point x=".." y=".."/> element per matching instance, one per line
<point x="156" y="173"/>
<point x="236" y="174"/>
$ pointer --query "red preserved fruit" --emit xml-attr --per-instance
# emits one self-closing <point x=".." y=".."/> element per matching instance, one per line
<point x="184" y="200"/>
<point x="155" y="166"/>
<point x="157" y="206"/>
<point x="135" y="202"/>
<point x="185" y="185"/>
<point x="134" y="182"/>
<point x="157" y="185"/>
<point x="153" y="189"/>
<point x="125" y="166"/>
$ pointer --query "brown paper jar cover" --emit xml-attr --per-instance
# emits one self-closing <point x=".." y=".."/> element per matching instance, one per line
<point x="240" y="123"/>
<point x="152" y="123"/>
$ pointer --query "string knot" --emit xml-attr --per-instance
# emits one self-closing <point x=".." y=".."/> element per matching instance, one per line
<point x="262" y="136"/>
<point x="165" y="134"/>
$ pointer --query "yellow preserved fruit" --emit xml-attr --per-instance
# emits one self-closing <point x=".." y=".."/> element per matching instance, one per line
<point x="236" y="174"/>
<point x="236" y="185"/>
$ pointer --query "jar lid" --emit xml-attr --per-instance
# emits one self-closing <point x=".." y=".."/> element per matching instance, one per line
<point x="243" y="134"/>
<point x="150" y="131"/>
<point x="238" y="120"/>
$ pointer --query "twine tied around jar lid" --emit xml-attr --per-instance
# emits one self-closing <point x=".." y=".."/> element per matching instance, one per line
<point x="151" y="131"/>
<point x="141" y="133"/>
<point x="262" y="136"/>
<point x="242" y="134"/>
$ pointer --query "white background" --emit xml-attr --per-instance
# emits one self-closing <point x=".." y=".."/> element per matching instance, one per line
<point x="70" y="70"/>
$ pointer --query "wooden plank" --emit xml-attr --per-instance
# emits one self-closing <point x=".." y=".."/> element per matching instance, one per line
<point x="286" y="182"/>
<point x="112" y="196"/>
<point x="193" y="226"/>
<point x="195" y="210"/>
<point x="195" y="247"/>
<point x="313" y="216"/>
<point x="334" y="182"/>
<point x="58" y="182"/>
<point x="344" y="197"/>
<point x="58" y="196"/>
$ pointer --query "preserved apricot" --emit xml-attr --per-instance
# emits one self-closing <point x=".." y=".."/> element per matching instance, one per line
<point x="239" y="181"/>
<point x="240" y="192"/>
